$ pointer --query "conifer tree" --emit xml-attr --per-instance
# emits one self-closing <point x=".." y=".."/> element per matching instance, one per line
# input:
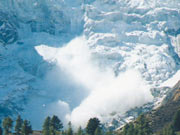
<point x="69" y="130"/>
<point x="1" y="131"/>
<point x="130" y="129"/>
<point x="55" y="125"/>
<point x="168" y="130"/>
<point x="93" y="123"/>
<point x="140" y="127"/>
<point x="125" y="129"/>
<point x="110" y="133"/>
<point x="7" y="125"/>
<point x="52" y="131"/>
<point x="18" y="125"/>
<point x="46" y="126"/>
<point x="98" y="131"/>
<point x="26" y="128"/>
<point x="176" y="121"/>
<point x="80" y="131"/>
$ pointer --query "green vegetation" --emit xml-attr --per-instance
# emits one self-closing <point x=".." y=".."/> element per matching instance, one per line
<point x="21" y="127"/>
<point x="7" y="125"/>
<point x="92" y="125"/>
<point x="56" y="123"/>
<point x="1" y="132"/>
<point x="53" y="126"/>
<point x="18" y="126"/>
<point x="173" y="127"/>
<point x="26" y="128"/>
<point x="109" y="133"/>
<point x="98" y="131"/>
<point x="69" y="130"/>
<point x="142" y="127"/>
<point x="176" y="121"/>
<point x="168" y="130"/>
<point x="46" y="126"/>
<point x="139" y="127"/>
<point x="80" y="131"/>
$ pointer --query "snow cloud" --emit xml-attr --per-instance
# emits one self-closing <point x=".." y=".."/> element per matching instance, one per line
<point x="106" y="93"/>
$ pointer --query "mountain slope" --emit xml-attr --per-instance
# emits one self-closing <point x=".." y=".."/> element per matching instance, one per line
<point x="164" y="114"/>
<point x="118" y="35"/>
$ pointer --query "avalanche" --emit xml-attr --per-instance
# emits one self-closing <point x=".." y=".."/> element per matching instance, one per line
<point x="90" y="58"/>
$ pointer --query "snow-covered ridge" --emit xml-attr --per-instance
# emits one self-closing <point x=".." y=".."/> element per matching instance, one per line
<point x="55" y="17"/>
<point x="121" y="35"/>
<point x="139" y="34"/>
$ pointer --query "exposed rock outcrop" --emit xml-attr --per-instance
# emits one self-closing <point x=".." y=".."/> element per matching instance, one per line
<point x="164" y="114"/>
<point x="8" y="29"/>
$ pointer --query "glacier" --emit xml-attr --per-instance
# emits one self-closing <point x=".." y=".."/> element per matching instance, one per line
<point x="62" y="57"/>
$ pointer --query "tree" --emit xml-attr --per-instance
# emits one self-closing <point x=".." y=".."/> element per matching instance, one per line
<point x="109" y="133"/>
<point x="130" y="130"/>
<point x="7" y="125"/>
<point x="18" y="125"/>
<point x="98" y="131"/>
<point x="139" y="127"/>
<point x="69" y="130"/>
<point x="93" y="123"/>
<point x="168" y="130"/>
<point x="176" y="121"/>
<point x="46" y="126"/>
<point x="26" y="128"/>
<point x="55" y="125"/>
<point x="1" y="131"/>
<point x="80" y="131"/>
<point x="125" y="129"/>
<point x="142" y="126"/>
<point x="52" y="131"/>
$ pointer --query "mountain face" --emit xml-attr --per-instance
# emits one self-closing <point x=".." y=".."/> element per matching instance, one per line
<point x="45" y="68"/>
<point x="165" y="113"/>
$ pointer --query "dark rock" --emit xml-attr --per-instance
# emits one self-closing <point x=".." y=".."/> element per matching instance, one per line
<point x="172" y="32"/>
<point x="40" y="26"/>
<point x="164" y="114"/>
<point x="8" y="29"/>
<point x="52" y="23"/>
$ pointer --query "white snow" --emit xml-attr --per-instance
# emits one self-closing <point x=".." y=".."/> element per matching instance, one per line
<point x="106" y="92"/>
<point x="172" y="80"/>
<point x="122" y="39"/>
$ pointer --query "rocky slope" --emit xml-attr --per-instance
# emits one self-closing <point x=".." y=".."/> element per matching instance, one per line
<point x="164" y="114"/>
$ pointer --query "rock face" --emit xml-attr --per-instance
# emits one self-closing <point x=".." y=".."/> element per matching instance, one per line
<point x="8" y="29"/>
<point x="164" y="114"/>
<point x="177" y="47"/>
<point x="53" y="17"/>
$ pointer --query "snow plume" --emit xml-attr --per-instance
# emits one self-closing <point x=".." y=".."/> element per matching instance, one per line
<point x="106" y="93"/>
